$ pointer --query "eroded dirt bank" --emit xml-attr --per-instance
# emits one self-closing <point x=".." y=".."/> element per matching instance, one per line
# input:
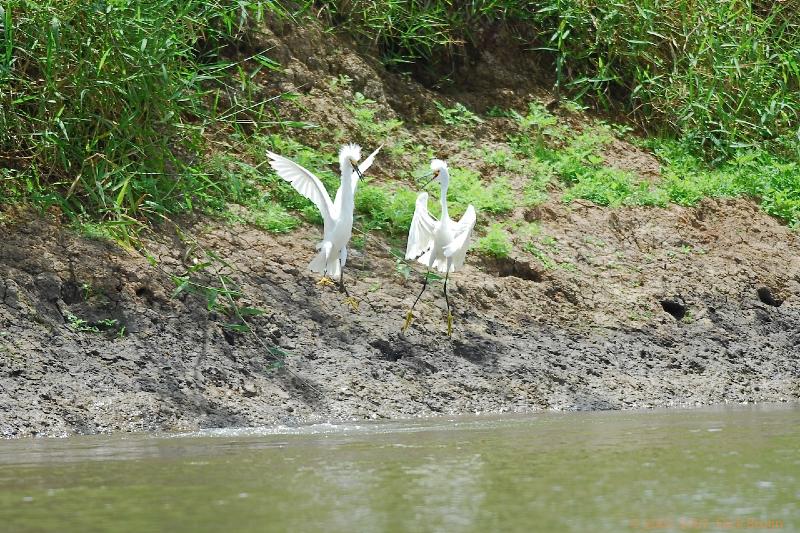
<point x="597" y="337"/>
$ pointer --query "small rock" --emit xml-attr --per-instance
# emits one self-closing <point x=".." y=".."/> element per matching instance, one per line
<point x="11" y="294"/>
<point x="491" y="289"/>
<point x="49" y="285"/>
<point x="249" y="390"/>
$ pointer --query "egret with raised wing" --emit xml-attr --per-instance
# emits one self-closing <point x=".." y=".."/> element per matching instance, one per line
<point x="337" y="215"/>
<point x="438" y="244"/>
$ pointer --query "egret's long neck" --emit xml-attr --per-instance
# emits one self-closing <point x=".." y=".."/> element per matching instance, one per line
<point x="443" y="198"/>
<point x="347" y="183"/>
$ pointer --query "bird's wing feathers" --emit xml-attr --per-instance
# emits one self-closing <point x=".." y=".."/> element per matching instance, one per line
<point x="365" y="164"/>
<point x="420" y="236"/>
<point x="461" y="233"/>
<point x="305" y="183"/>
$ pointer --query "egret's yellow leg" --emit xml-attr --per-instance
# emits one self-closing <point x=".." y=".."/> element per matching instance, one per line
<point x="349" y="300"/>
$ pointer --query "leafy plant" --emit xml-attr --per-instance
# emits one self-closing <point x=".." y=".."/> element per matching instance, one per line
<point x="365" y="113"/>
<point x="80" y="325"/>
<point x="401" y="266"/>
<point x="384" y="209"/>
<point x="496" y="243"/>
<point x="723" y="75"/>
<point x="458" y="115"/>
<point x="603" y="186"/>
<point x="209" y="276"/>
<point x="273" y="218"/>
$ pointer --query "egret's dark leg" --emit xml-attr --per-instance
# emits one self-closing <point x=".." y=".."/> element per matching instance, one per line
<point x="424" y="286"/>
<point x="341" y="279"/>
<point x="410" y="315"/>
<point x="447" y="301"/>
<point x="349" y="300"/>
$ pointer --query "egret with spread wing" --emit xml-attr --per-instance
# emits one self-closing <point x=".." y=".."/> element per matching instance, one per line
<point x="337" y="215"/>
<point x="438" y="244"/>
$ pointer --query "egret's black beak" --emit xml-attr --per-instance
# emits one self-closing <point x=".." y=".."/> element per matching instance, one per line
<point x="355" y="167"/>
<point x="435" y="175"/>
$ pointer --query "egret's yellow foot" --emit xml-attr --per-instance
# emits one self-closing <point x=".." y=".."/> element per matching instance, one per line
<point x="409" y="319"/>
<point x="325" y="281"/>
<point x="352" y="302"/>
<point x="449" y="324"/>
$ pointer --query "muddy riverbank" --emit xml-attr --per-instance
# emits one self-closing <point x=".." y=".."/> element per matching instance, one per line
<point x="92" y="339"/>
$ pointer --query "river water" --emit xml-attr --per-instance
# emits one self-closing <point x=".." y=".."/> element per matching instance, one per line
<point x="719" y="469"/>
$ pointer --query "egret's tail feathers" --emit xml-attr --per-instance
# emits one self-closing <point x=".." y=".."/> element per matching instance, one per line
<point x="318" y="263"/>
<point x="442" y="264"/>
<point x="334" y="270"/>
<point x="439" y="263"/>
<point x="424" y="258"/>
<point x="326" y="263"/>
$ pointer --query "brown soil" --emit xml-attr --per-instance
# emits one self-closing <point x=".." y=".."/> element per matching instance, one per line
<point x="640" y="306"/>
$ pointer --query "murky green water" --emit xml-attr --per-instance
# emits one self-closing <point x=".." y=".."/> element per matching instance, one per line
<point x="698" y="470"/>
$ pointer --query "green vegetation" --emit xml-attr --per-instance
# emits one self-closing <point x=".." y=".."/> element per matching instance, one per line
<point x="103" y="105"/>
<point x="496" y="243"/>
<point x="723" y="75"/>
<point x="385" y="209"/>
<point x="79" y="325"/>
<point x="751" y="173"/>
<point x="457" y="115"/>
<point x="119" y="112"/>
<point x="542" y="149"/>
<point x="466" y="187"/>
<point x="210" y="277"/>
<point x="372" y="129"/>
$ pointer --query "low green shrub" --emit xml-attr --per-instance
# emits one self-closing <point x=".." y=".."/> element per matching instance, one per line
<point x="496" y="243"/>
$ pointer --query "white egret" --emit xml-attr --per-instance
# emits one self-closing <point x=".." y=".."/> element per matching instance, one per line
<point x="337" y="215"/>
<point x="438" y="244"/>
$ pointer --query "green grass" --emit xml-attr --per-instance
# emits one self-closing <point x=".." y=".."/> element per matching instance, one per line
<point x="543" y="149"/>
<point x="723" y="75"/>
<point x="490" y="196"/>
<point x="386" y="209"/>
<point x="753" y="173"/>
<point x="103" y="105"/>
<point x="371" y="128"/>
<point x="108" y="109"/>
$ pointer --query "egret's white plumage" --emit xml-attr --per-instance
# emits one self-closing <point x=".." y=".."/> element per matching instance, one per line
<point x="337" y="215"/>
<point x="439" y="244"/>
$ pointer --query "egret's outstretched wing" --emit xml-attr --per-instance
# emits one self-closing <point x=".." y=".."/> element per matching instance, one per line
<point x="420" y="236"/>
<point x="457" y="249"/>
<point x="305" y="183"/>
<point x="365" y="164"/>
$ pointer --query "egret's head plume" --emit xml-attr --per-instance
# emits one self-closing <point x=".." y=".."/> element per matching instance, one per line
<point x="350" y="154"/>
<point x="439" y="171"/>
<point x="437" y="165"/>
